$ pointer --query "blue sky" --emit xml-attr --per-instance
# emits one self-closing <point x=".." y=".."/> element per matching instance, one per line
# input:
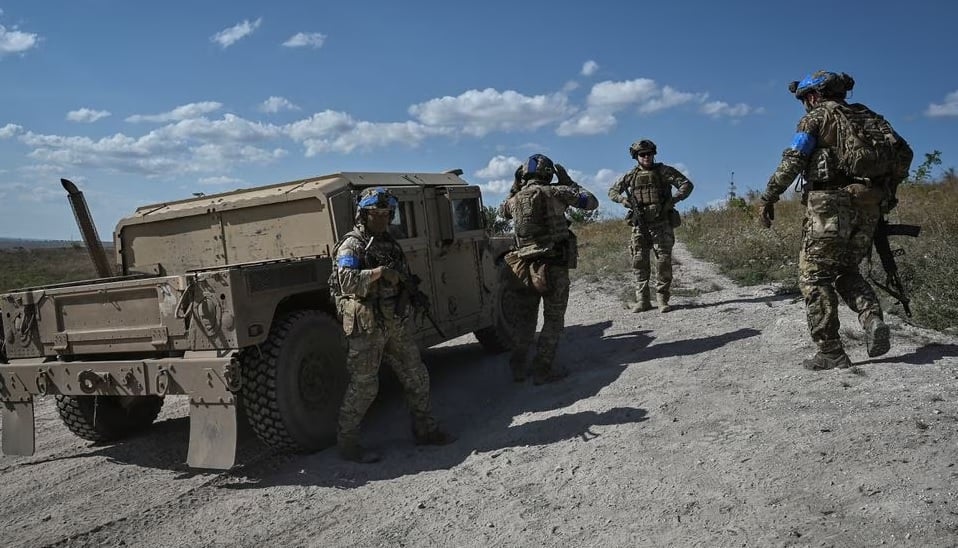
<point x="141" y="102"/>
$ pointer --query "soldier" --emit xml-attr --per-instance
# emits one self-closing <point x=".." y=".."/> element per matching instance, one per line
<point x="841" y="214"/>
<point x="369" y="273"/>
<point x="546" y="250"/>
<point x="647" y="192"/>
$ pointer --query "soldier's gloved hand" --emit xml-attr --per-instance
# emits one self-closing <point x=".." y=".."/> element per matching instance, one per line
<point x="767" y="212"/>
<point x="563" y="176"/>
<point x="389" y="275"/>
<point x="516" y="182"/>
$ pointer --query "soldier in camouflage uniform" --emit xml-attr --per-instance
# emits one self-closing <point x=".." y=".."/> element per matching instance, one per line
<point x="369" y="270"/>
<point x="647" y="192"/>
<point x="544" y="240"/>
<point x="840" y="219"/>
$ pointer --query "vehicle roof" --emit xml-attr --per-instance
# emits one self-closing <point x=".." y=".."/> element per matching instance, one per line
<point x="324" y="184"/>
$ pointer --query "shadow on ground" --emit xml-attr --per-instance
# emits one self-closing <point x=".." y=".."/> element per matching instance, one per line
<point x="473" y="396"/>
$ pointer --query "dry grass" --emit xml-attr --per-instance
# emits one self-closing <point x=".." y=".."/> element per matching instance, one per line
<point x="22" y="267"/>
<point x="732" y="238"/>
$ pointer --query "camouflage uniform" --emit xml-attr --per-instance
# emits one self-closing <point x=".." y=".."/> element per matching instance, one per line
<point x="376" y="331"/>
<point x="648" y="194"/>
<point x="544" y="230"/>
<point x="840" y="219"/>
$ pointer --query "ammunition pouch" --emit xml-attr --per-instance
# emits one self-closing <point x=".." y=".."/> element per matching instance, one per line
<point x="357" y="316"/>
<point x="829" y="214"/>
<point x="675" y="220"/>
<point x="531" y="266"/>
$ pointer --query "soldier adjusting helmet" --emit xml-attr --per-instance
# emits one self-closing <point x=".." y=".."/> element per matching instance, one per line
<point x="538" y="167"/>
<point x="828" y="84"/>
<point x="644" y="145"/>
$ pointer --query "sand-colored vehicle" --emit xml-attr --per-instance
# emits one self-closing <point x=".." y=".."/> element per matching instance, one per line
<point x="225" y="299"/>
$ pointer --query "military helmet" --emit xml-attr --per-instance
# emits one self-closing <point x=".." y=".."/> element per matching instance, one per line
<point x="829" y="84"/>
<point x="538" y="167"/>
<point x="377" y="198"/>
<point x="644" y="145"/>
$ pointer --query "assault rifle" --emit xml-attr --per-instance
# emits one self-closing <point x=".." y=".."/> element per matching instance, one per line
<point x="410" y="294"/>
<point x="892" y="285"/>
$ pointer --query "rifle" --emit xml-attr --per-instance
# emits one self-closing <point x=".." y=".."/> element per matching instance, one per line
<point x="410" y="294"/>
<point x="408" y="286"/>
<point x="893" y="285"/>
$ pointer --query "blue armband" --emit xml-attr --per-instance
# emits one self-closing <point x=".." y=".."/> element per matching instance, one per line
<point x="804" y="143"/>
<point x="347" y="261"/>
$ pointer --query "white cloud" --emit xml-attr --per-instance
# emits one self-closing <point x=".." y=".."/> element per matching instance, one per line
<point x="187" y="146"/>
<point x="276" y="104"/>
<point x="618" y="95"/>
<point x="589" y="68"/>
<point x="227" y="37"/>
<point x="220" y="180"/>
<point x="718" y="109"/>
<point x="608" y="98"/>
<point x="499" y="186"/>
<point x="587" y="123"/>
<point x="500" y="167"/>
<point x="10" y="130"/>
<point x="670" y="97"/>
<point x="478" y="113"/>
<point x="184" y="112"/>
<point x="948" y="108"/>
<point x="314" y="40"/>
<point x="570" y="86"/>
<point x="230" y="128"/>
<point x="33" y="193"/>
<point x="16" y="41"/>
<point x="86" y="115"/>
<point x="331" y="131"/>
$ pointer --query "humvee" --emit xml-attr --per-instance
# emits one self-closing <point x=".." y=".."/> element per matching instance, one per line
<point x="225" y="299"/>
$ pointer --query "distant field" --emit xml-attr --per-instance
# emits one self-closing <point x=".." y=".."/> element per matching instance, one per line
<point x="26" y="267"/>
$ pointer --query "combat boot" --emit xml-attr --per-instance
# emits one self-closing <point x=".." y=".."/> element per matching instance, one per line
<point x="544" y="373"/>
<point x="433" y="437"/>
<point x="352" y="451"/>
<point x="876" y="336"/>
<point x="518" y="368"/>
<point x="663" y="303"/>
<point x="643" y="302"/>
<point x="821" y="361"/>
<point x="642" y="306"/>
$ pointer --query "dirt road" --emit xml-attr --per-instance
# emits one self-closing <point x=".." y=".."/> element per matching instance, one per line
<point x="692" y="428"/>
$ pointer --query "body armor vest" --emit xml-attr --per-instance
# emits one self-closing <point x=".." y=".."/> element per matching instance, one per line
<point x="539" y="217"/>
<point x="648" y="187"/>
<point x="383" y="251"/>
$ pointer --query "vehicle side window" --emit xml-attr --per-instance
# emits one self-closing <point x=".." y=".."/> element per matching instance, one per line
<point x="403" y="225"/>
<point x="466" y="214"/>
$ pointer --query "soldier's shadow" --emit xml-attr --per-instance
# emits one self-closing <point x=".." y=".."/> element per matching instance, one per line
<point x="925" y="355"/>
<point x="763" y="299"/>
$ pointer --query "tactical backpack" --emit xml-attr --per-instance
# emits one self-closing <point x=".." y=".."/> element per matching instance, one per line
<point x="868" y="147"/>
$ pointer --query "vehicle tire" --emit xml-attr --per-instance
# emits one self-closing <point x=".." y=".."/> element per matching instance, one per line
<point x="293" y="383"/>
<point x="107" y="418"/>
<point x="499" y="337"/>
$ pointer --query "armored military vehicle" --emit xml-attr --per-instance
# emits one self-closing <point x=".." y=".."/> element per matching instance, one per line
<point x="224" y="299"/>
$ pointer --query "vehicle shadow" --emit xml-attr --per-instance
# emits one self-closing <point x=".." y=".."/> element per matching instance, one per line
<point x="474" y="397"/>
<point x="491" y="414"/>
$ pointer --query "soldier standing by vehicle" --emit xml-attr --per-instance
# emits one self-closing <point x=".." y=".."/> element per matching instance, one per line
<point x="370" y="271"/>
<point x="852" y="161"/>
<point x="647" y="192"/>
<point x="546" y="250"/>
